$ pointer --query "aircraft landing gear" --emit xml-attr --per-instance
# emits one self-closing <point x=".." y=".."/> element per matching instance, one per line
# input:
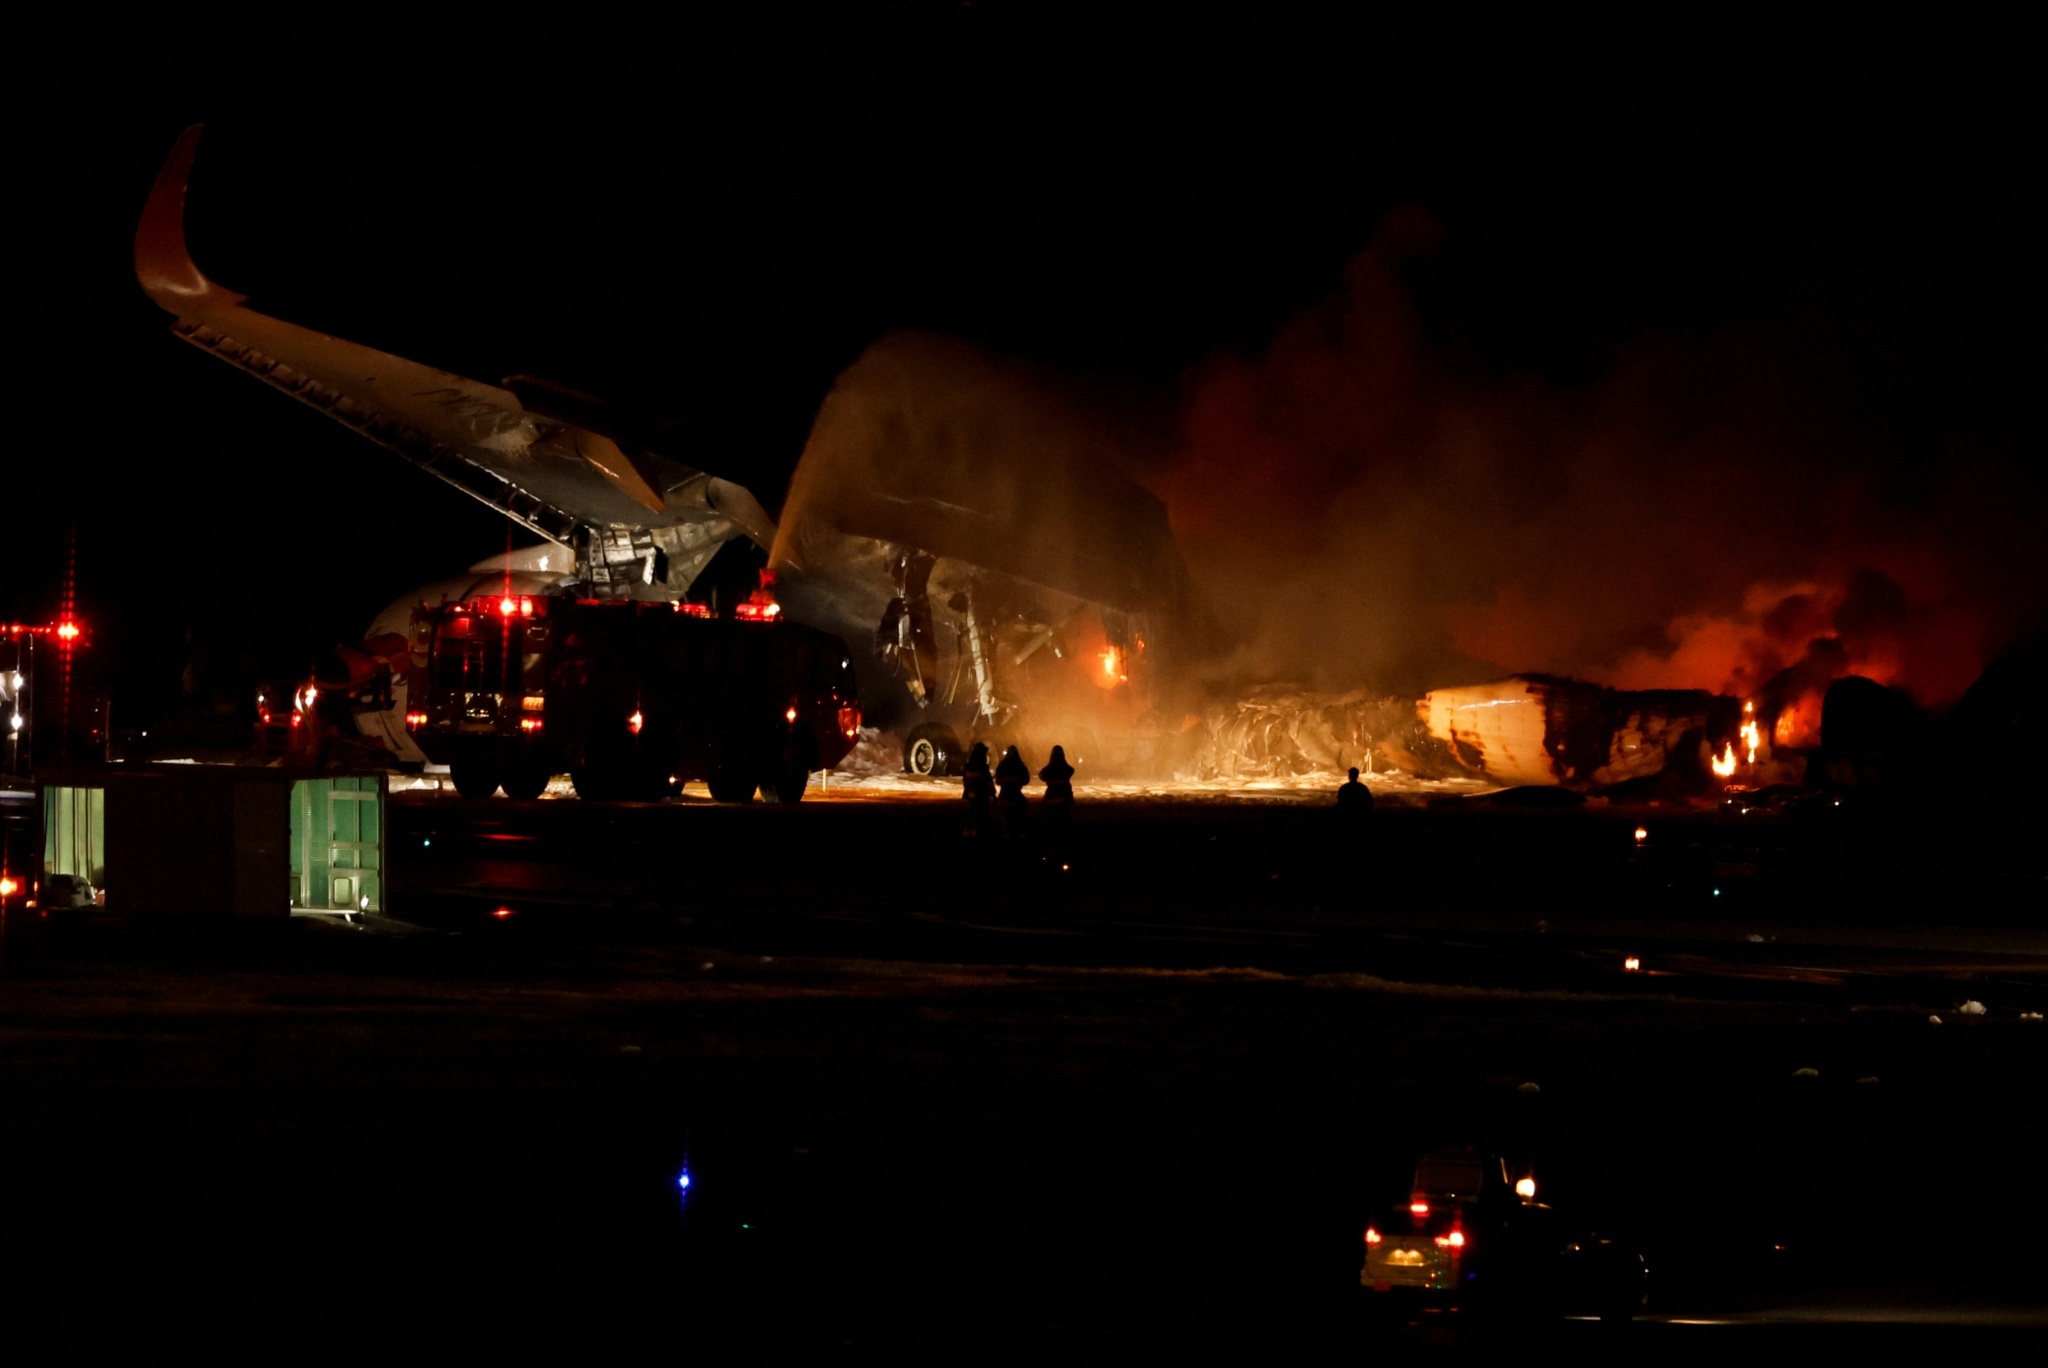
<point x="932" y="749"/>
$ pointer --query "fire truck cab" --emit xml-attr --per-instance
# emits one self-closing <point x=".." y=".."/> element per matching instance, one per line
<point x="630" y="698"/>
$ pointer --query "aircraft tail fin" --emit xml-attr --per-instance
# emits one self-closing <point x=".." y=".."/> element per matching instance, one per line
<point x="163" y="265"/>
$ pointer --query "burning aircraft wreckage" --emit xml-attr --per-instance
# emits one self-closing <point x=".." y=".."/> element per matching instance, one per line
<point x="997" y="577"/>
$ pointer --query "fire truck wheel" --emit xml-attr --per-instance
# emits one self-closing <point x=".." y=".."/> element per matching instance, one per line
<point x="788" y="785"/>
<point x="594" y="783"/>
<point x="727" y="787"/>
<point x="474" y="779"/>
<point x="526" y="782"/>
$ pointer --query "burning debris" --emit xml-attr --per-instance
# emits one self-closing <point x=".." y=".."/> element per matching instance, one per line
<point x="1278" y="731"/>
<point x="1543" y="730"/>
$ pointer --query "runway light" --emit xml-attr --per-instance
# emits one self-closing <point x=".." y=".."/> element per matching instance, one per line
<point x="68" y="631"/>
<point x="1631" y="964"/>
<point x="682" y="1180"/>
<point x="502" y="913"/>
<point x="1526" y="1189"/>
<point x="789" y="715"/>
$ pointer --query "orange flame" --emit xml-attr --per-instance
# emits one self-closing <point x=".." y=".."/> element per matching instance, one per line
<point x="1112" y="665"/>
<point x="1724" y="765"/>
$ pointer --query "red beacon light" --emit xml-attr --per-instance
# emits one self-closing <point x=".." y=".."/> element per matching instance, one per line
<point x="515" y="605"/>
<point x="760" y="606"/>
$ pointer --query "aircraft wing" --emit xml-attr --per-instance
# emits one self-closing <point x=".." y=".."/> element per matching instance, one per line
<point x="552" y="476"/>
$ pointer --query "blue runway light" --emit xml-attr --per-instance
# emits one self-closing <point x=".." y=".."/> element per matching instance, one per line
<point x="682" y="1180"/>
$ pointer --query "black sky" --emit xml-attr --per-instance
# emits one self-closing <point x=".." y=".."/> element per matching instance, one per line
<point x="713" y="220"/>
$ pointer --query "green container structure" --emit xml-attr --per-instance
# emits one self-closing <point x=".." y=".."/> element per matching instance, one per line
<point x="337" y="844"/>
<point x="210" y="840"/>
<point x="75" y="832"/>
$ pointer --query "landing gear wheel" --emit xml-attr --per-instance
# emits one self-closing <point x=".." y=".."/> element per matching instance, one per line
<point x="474" y="779"/>
<point x="728" y="787"/>
<point x="526" y="782"/>
<point x="930" y="750"/>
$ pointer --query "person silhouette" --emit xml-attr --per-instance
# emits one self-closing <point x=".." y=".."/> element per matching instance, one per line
<point x="977" y="789"/>
<point x="1354" y="795"/>
<point x="1058" y="778"/>
<point x="1012" y="774"/>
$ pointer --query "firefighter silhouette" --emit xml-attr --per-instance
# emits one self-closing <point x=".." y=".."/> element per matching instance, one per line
<point x="977" y="789"/>
<point x="1012" y="774"/>
<point x="1058" y="778"/>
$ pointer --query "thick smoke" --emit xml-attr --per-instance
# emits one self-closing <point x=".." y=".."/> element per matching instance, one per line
<point x="1363" y="508"/>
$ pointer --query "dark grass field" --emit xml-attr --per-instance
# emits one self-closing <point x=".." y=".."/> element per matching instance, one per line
<point x="982" y="1110"/>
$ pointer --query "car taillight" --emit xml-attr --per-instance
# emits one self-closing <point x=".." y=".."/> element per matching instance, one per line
<point x="415" y="720"/>
<point x="1418" y="1208"/>
<point x="529" y="724"/>
<point x="849" y="721"/>
<point x="1454" y="1240"/>
<point x="1371" y="1236"/>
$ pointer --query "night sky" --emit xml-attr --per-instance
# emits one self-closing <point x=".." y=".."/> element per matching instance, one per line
<point x="712" y="223"/>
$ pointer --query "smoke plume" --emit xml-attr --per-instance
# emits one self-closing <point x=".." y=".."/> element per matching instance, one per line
<point x="1362" y="505"/>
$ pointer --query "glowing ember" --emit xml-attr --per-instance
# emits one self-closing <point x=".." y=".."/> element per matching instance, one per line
<point x="1724" y="765"/>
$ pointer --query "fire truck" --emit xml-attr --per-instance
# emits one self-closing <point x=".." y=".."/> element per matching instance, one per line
<point x="631" y="699"/>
